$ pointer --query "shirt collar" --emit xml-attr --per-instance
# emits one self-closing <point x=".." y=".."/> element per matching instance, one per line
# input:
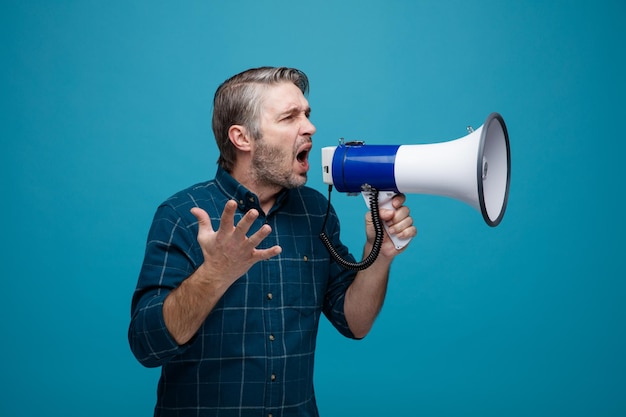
<point x="245" y="198"/>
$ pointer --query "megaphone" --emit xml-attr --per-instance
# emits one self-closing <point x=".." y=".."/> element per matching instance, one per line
<point x="475" y="169"/>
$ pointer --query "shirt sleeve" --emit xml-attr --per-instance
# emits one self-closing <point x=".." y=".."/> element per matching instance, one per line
<point x="339" y="280"/>
<point x="171" y="256"/>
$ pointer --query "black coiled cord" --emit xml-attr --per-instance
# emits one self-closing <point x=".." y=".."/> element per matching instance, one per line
<point x="378" y="239"/>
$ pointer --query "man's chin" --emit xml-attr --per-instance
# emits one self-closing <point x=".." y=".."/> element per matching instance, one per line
<point x="298" y="180"/>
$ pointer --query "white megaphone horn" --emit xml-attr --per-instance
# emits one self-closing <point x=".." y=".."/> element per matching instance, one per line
<point x="475" y="169"/>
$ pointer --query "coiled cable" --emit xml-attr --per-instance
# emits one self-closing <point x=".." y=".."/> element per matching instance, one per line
<point x="378" y="239"/>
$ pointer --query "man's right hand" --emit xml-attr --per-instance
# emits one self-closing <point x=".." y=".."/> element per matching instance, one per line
<point x="229" y="252"/>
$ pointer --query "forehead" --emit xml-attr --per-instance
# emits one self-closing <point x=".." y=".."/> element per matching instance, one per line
<point x="282" y="97"/>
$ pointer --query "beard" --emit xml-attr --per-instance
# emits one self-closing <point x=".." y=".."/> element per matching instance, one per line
<point x="273" y="166"/>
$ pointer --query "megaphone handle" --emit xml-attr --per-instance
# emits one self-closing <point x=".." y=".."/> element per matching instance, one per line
<point x="384" y="201"/>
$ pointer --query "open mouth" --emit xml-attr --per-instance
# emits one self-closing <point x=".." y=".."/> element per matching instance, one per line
<point x="303" y="154"/>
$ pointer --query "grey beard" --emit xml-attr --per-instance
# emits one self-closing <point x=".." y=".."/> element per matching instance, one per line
<point x="267" y="172"/>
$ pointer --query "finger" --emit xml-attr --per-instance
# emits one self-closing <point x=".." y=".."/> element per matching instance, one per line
<point x="399" y="214"/>
<point x="408" y="233"/>
<point x="398" y="200"/>
<point x="263" y="254"/>
<point x="204" y="221"/>
<point x="399" y="219"/>
<point x="227" y="221"/>
<point x="403" y="228"/>
<point x="259" y="235"/>
<point x="397" y="203"/>
<point x="243" y="227"/>
<point x="386" y="215"/>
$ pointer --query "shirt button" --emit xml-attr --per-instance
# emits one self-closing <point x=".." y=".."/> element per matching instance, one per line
<point x="306" y="258"/>
<point x="273" y="377"/>
<point x="271" y="338"/>
<point x="269" y="296"/>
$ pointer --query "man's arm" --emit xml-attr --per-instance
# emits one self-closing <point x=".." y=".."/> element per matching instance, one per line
<point x="228" y="254"/>
<point x="186" y="307"/>
<point x="365" y="296"/>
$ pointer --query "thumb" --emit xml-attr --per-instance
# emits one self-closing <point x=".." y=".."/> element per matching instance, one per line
<point x="204" y="221"/>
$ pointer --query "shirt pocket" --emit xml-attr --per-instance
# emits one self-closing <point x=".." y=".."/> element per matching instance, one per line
<point x="304" y="281"/>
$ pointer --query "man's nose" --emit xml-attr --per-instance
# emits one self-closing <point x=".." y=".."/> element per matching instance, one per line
<point x="308" y="128"/>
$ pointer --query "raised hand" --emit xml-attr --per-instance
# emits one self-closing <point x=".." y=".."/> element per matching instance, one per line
<point x="229" y="252"/>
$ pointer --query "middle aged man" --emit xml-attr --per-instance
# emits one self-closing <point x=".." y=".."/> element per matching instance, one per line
<point x="235" y="277"/>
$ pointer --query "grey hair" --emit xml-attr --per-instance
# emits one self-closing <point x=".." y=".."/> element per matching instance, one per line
<point x="237" y="101"/>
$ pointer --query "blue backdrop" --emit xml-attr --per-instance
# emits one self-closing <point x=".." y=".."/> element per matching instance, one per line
<point x="105" y="112"/>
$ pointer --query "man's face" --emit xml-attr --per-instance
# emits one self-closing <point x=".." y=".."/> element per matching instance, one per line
<point x="281" y="155"/>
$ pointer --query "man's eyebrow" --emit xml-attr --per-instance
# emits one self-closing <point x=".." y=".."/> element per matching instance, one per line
<point x="293" y="110"/>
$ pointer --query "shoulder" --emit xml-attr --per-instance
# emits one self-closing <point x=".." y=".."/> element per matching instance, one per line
<point x="204" y="194"/>
<point x="200" y="190"/>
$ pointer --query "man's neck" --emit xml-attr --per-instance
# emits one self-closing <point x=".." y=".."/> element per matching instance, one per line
<point x="266" y="193"/>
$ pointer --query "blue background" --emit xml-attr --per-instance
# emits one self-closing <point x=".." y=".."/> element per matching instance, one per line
<point x="105" y="112"/>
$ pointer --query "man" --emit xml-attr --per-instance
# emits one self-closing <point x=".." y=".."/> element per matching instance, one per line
<point x="235" y="278"/>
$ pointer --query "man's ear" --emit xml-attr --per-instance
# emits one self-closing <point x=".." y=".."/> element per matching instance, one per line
<point x="238" y="135"/>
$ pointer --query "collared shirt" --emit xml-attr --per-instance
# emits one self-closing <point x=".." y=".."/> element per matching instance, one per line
<point x="253" y="356"/>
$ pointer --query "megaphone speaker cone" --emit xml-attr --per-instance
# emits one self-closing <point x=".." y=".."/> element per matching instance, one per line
<point x="494" y="169"/>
